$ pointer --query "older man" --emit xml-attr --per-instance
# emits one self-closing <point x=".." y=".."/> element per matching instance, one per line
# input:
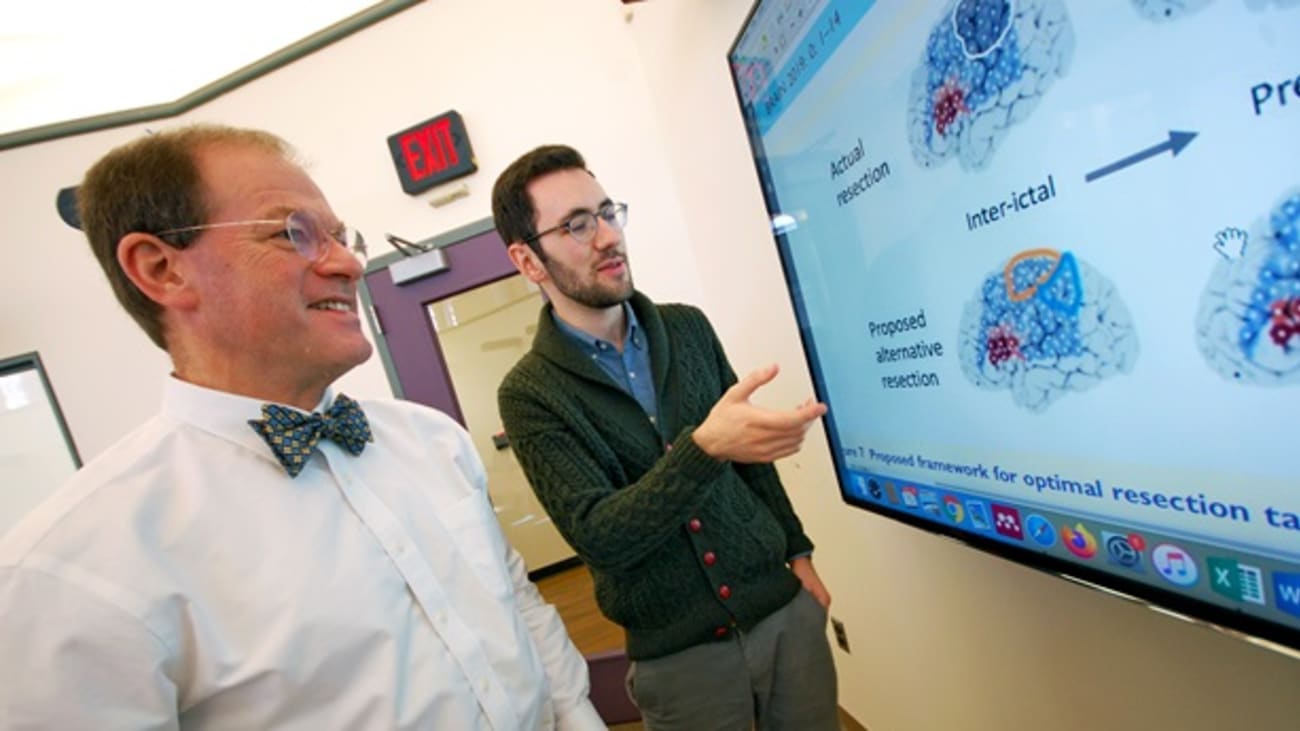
<point x="266" y="552"/>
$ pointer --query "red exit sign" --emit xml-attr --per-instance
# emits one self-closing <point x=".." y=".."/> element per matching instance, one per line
<point x="432" y="152"/>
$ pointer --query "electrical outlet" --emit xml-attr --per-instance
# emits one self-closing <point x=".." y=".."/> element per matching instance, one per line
<point x="841" y="637"/>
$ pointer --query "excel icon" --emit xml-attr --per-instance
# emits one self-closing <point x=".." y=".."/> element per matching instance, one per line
<point x="1237" y="581"/>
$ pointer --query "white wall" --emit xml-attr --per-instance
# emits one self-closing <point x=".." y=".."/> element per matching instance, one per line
<point x="34" y="456"/>
<point x="559" y="71"/>
<point x="943" y="637"/>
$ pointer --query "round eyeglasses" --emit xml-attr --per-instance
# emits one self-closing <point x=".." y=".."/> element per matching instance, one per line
<point x="582" y="226"/>
<point x="309" y="237"/>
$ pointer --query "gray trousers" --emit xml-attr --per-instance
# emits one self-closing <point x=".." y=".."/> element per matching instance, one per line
<point x="778" y="676"/>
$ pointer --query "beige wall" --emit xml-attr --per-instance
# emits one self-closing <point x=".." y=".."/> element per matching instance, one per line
<point x="943" y="637"/>
<point x="482" y="334"/>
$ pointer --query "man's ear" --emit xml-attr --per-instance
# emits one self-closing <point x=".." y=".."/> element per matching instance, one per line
<point x="527" y="262"/>
<point x="154" y="268"/>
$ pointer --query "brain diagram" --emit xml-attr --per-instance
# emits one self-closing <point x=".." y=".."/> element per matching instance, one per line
<point x="986" y="64"/>
<point x="1248" y="326"/>
<point x="1046" y="323"/>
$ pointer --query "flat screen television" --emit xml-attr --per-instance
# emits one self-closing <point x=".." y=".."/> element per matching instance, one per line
<point x="1045" y="260"/>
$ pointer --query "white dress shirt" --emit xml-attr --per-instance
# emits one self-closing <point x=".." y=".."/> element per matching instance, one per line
<point x="183" y="579"/>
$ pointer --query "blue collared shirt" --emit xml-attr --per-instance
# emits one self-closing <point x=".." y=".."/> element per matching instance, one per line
<point x="630" y="370"/>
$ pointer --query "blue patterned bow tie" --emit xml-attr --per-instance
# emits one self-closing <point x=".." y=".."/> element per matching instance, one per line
<point x="293" y="435"/>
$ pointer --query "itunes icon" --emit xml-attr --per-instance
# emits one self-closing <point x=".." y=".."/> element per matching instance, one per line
<point x="1174" y="564"/>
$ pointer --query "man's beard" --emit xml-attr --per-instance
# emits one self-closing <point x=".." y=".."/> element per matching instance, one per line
<point x="590" y="294"/>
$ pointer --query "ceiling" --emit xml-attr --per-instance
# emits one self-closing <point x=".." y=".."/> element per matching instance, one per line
<point x="64" y="63"/>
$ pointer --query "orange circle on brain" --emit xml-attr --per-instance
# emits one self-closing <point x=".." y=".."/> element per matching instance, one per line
<point x="1008" y="274"/>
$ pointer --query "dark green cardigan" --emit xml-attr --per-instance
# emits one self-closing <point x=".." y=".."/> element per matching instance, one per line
<point x="683" y="548"/>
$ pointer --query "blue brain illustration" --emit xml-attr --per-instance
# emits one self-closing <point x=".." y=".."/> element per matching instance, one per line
<point x="986" y="65"/>
<point x="1248" y="325"/>
<point x="1043" y="324"/>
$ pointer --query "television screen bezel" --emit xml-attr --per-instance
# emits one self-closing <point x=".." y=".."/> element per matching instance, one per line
<point x="1278" y="637"/>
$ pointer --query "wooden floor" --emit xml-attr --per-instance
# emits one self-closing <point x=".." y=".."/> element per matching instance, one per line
<point x="571" y="593"/>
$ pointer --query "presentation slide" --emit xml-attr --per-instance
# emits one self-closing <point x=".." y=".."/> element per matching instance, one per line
<point x="1045" y="255"/>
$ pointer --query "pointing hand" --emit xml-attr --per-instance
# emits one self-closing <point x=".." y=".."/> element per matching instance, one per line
<point x="739" y="431"/>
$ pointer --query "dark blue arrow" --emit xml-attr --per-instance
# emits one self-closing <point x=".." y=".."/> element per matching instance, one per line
<point x="1175" y="144"/>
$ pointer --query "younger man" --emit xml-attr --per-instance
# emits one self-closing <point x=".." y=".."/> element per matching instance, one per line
<point x="645" y="451"/>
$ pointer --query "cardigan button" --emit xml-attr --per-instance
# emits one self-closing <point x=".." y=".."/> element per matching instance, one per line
<point x="695" y="525"/>
<point x="724" y="591"/>
<point x="710" y="558"/>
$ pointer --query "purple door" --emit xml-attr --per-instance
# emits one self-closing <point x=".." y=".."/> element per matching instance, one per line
<point x="415" y="362"/>
<point x="482" y="348"/>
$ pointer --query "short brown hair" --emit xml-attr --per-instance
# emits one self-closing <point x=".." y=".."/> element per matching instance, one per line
<point x="148" y="185"/>
<point x="512" y="208"/>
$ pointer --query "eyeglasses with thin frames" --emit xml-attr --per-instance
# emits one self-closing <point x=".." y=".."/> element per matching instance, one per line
<point x="582" y="226"/>
<point x="309" y="237"/>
